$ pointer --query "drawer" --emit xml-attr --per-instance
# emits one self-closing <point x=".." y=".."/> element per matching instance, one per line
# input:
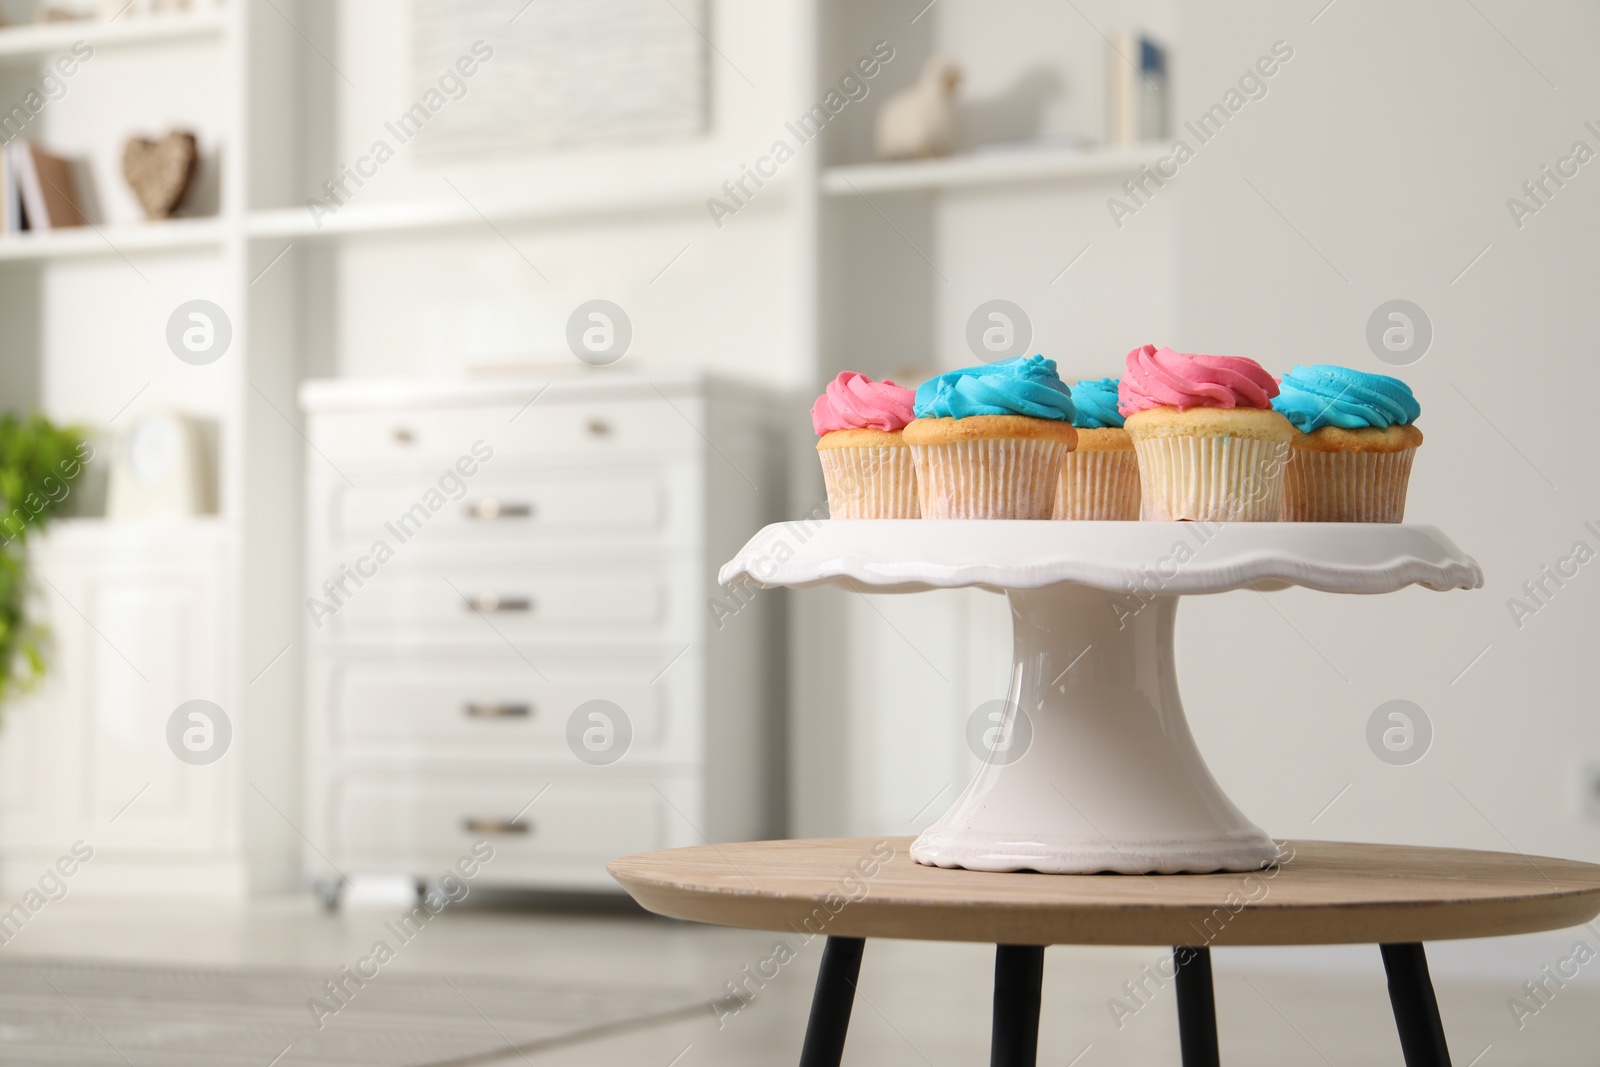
<point x="450" y="708"/>
<point x="547" y="427"/>
<point x="497" y="604"/>
<point x="489" y="508"/>
<point x="424" y="824"/>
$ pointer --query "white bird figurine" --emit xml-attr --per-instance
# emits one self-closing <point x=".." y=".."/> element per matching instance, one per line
<point x="919" y="122"/>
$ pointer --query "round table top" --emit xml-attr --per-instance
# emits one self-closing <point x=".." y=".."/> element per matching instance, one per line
<point x="1323" y="892"/>
<point x="907" y="556"/>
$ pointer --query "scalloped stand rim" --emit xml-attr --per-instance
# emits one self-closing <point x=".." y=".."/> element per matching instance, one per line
<point x="906" y="555"/>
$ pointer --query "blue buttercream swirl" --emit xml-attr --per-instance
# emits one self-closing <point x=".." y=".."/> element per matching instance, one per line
<point x="1027" y="385"/>
<point x="1096" y="401"/>
<point x="1325" y="395"/>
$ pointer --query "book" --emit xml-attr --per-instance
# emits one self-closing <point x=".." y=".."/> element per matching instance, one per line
<point x="10" y="210"/>
<point x="46" y="188"/>
<point x="1152" y="90"/>
<point x="1136" y="89"/>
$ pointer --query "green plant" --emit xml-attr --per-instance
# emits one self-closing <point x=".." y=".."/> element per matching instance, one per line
<point x="39" y="462"/>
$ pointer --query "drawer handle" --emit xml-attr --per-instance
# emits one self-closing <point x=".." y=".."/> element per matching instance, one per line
<point x="475" y="710"/>
<point x="476" y="824"/>
<point x="489" y="508"/>
<point x="403" y="435"/>
<point x="488" y="603"/>
<point x="599" y="428"/>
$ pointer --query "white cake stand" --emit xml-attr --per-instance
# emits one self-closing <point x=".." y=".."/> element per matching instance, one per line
<point x="1094" y="768"/>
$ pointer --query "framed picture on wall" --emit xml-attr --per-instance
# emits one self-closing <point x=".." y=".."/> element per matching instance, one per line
<point x="557" y="73"/>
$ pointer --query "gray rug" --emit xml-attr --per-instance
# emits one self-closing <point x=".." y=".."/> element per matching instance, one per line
<point x="117" y="1015"/>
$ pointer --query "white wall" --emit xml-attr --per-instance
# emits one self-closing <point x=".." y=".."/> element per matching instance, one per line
<point x="1391" y="142"/>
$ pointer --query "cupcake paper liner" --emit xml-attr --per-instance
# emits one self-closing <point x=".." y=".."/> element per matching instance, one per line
<point x="870" y="483"/>
<point x="1211" y="479"/>
<point x="1346" y="486"/>
<point x="995" y="478"/>
<point x="1098" y="486"/>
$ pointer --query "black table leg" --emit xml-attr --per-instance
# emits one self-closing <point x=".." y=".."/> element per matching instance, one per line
<point x="1416" y="1011"/>
<point x="1018" y="974"/>
<point x="1197" y="1008"/>
<point x="835" y="995"/>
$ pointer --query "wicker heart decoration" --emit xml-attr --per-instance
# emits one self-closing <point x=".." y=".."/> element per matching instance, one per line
<point x="160" y="172"/>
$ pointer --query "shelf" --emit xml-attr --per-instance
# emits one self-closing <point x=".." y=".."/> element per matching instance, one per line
<point x="81" y="241"/>
<point x="988" y="169"/>
<point x="564" y="203"/>
<point x="47" y="37"/>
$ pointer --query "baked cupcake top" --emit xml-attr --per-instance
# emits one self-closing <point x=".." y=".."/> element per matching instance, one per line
<point x="855" y="402"/>
<point x="1096" y="401"/>
<point x="1324" y="395"/>
<point x="1027" y="385"/>
<point x="1162" y="378"/>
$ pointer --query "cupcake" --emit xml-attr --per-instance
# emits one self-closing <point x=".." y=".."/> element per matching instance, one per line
<point x="1351" y="460"/>
<point x="1210" y="446"/>
<point x="865" y="464"/>
<point x="988" y="441"/>
<point x="1099" y="478"/>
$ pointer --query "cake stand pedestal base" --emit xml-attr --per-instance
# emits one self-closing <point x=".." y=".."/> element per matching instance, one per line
<point x="1091" y="765"/>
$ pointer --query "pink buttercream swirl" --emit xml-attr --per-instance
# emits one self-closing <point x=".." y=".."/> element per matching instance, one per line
<point x="1160" y="377"/>
<point x="855" y="402"/>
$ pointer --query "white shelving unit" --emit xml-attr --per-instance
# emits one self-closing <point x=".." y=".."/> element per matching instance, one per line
<point x="438" y="264"/>
<point x="92" y="304"/>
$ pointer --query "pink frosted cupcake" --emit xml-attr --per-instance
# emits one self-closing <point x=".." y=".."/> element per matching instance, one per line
<point x="1210" y="446"/>
<point x="866" y="465"/>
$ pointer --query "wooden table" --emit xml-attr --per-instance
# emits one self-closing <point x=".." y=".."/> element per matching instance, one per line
<point x="849" y="889"/>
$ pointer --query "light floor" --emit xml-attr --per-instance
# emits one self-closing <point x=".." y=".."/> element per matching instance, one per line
<point x="920" y="1004"/>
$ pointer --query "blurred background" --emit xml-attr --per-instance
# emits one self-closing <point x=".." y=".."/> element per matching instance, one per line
<point x="535" y="295"/>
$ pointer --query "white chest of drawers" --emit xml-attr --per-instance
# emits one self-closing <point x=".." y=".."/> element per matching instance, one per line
<point x="485" y="561"/>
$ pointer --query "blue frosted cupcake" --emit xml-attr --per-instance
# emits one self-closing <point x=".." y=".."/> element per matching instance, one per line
<point x="988" y="441"/>
<point x="1351" y="460"/>
<point x="1099" y="478"/>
